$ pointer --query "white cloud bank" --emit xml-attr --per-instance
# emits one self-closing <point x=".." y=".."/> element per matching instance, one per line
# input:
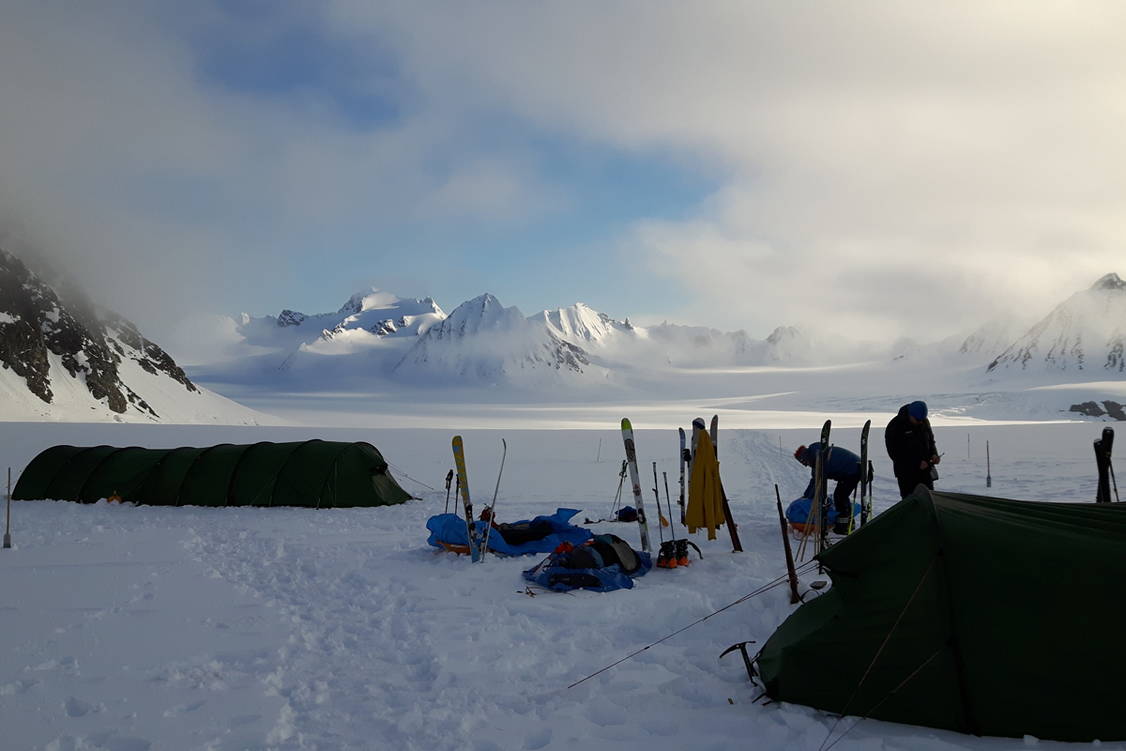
<point x="903" y="168"/>
<point x="897" y="169"/>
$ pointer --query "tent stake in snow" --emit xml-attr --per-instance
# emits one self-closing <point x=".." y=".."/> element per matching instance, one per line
<point x="988" y="475"/>
<point x="493" y="505"/>
<point x="8" y="514"/>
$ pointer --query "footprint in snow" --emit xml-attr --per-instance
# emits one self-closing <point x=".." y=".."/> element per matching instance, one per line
<point x="76" y="707"/>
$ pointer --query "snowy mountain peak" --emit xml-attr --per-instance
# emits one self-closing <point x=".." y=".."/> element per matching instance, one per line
<point x="581" y="325"/>
<point x="482" y="341"/>
<point x="788" y="344"/>
<point x="482" y="312"/>
<point x="285" y="318"/>
<point x="376" y="299"/>
<point x="783" y="334"/>
<point x="1109" y="281"/>
<point x="369" y="319"/>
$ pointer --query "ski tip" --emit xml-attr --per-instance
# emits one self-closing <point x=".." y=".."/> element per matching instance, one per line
<point x="626" y="424"/>
<point x="457" y="440"/>
<point x="698" y="423"/>
<point x="867" y="424"/>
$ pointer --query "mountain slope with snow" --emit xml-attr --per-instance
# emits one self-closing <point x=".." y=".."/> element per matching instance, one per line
<point x="582" y="326"/>
<point x="1085" y="333"/>
<point x="484" y="343"/>
<point x="63" y="358"/>
<point x="364" y="321"/>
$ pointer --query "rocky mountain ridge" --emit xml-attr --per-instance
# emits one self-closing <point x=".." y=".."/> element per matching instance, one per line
<point x="54" y="340"/>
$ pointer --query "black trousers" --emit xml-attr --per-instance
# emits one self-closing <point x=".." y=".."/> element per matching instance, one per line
<point x="908" y="481"/>
<point x="842" y="497"/>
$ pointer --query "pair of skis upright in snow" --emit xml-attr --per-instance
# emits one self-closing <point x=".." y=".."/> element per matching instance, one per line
<point x="1103" y="447"/>
<point x="477" y="546"/>
<point x="865" y="478"/>
<point x="817" y="522"/>
<point x="631" y="460"/>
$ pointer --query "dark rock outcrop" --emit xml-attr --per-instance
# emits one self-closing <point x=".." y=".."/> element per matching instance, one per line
<point x="1109" y="408"/>
<point x="90" y="343"/>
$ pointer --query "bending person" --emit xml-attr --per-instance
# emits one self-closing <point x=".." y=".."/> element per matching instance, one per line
<point x="843" y="466"/>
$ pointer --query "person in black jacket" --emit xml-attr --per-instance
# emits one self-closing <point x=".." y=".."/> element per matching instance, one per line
<point x="910" y="444"/>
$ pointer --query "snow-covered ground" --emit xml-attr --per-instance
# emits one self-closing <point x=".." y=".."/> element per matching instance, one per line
<point x="71" y="400"/>
<point x="130" y="628"/>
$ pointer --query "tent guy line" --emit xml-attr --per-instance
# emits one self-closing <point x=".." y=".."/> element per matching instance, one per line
<point x="783" y="579"/>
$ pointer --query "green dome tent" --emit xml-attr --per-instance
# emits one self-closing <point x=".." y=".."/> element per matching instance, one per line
<point x="974" y="614"/>
<point x="315" y="474"/>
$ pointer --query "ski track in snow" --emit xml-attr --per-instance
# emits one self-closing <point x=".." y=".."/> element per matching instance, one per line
<point x="134" y="628"/>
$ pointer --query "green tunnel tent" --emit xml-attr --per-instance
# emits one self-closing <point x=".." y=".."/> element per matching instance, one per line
<point x="315" y="474"/>
<point x="1001" y="618"/>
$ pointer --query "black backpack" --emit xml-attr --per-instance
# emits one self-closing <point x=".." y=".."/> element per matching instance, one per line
<point x="602" y="551"/>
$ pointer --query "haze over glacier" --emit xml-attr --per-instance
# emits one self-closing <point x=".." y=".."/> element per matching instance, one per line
<point x="379" y="347"/>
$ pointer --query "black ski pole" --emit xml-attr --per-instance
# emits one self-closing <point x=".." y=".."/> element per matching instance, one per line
<point x="493" y="505"/>
<point x="660" y="515"/>
<point x="618" y="494"/>
<point x="449" y="479"/>
<point x="794" y="596"/>
<point x="871" y="478"/>
<point x="679" y="547"/>
<point x="988" y="470"/>
<point x="668" y="503"/>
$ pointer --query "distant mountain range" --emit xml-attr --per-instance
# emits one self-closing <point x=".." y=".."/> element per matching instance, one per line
<point x="64" y="358"/>
<point x="482" y="342"/>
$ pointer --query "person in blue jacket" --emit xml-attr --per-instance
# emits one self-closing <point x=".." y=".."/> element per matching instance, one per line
<point x="843" y="466"/>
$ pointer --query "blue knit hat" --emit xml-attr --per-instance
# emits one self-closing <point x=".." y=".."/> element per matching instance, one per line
<point x="918" y="410"/>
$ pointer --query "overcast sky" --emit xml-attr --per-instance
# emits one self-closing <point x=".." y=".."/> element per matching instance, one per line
<point x="892" y="168"/>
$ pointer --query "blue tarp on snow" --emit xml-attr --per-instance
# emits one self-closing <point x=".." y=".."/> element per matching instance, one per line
<point x="450" y="529"/>
<point x="798" y="512"/>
